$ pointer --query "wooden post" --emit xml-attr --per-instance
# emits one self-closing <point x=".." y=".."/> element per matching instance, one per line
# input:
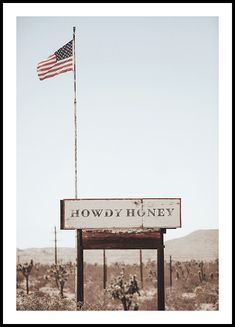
<point x="141" y="270"/>
<point x="79" y="272"/>
<point x="55" y="248"/>
<point x="170" y="272"/>
<point x="104" y="270"/>
<point x="160" y="274"/>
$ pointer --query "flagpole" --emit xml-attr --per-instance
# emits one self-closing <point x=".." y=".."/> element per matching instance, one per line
<point x="79" y="247"/>
<point x="75" y="114"/>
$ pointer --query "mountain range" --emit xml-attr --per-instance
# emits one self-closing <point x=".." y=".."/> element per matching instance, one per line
<point x="198" y="245"/>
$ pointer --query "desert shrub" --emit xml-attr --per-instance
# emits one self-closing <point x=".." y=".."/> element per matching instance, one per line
<point x="39" y="301"/>
<point x="196" y="289"/>
<point x="148" y="299"/>
<point x="19" y="278"/>
<point x="59" y="273"/>
<point x="175" y="301"/>
<point x="206" y="293"/>
<point x="182" y="295"/>
<point x="25" y="269"/>
<point x="124" y="291"/>
<point x="86" y="306"/>
<point x="40" y="282"/>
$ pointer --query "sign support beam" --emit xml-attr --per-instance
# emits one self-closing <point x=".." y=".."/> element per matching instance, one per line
<point x="160" y="274"/>
<point x="79" y="270"/>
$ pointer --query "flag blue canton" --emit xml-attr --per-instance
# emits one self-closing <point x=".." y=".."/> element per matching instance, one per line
<point x="65" y="52"/>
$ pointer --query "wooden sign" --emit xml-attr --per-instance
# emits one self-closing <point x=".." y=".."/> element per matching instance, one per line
<point x="110" y="240"/>
<point x="120" y="213"/>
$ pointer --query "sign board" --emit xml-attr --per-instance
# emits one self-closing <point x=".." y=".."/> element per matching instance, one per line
<point x="120" y="213"/>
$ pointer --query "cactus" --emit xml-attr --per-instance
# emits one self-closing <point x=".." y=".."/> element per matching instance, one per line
<point x="59" y="274"/>
<point x="25" y="269"/>
<point x="124" y="291"/>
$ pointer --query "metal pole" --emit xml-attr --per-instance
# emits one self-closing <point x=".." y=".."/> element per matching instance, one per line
<point x="75" y="114"/>
<point x="79" y="247"/>
<point x="160" y="274"/>
<point x="141" y="270"/>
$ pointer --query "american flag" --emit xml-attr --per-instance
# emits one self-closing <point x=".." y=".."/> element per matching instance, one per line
<point x="60" y="62"/>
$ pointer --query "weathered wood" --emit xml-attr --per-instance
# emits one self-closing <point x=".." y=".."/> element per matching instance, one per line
<point x="141" y="270"/>
<point x="104" y="270"/>
<point x="160" y="274"/>
<point x="121" y="213"/>
<point x="110" y="240"/>
<point x="62" y="214"/>
<point x="79" y="274"/>
<point x="55" y="248"/>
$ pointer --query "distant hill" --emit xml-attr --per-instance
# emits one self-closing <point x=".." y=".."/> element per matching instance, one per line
<point x="201" y="244"/>
<point x="198" y="245"/>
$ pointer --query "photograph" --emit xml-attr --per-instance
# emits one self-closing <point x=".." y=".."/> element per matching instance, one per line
<point x="117" y="163"/>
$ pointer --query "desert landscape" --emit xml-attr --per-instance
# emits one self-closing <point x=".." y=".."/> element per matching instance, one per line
<point x="191" y="277"/>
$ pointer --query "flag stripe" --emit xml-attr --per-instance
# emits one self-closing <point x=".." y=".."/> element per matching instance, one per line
<point x="55" y="68"/>
<point x="50" y="74"/>
<point x="48" y="59"/>
<point x="57" y="73"/>
<point x="55" y="64"/>
<point x="45" y="63"/>
<point x="59" y="62"/>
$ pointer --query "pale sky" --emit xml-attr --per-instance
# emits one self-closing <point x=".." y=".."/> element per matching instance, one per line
<point x="147" y="90"/>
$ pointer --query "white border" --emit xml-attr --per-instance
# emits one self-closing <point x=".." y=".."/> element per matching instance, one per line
<point x="224" y="12"/>
<point x="116" y="9"/>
